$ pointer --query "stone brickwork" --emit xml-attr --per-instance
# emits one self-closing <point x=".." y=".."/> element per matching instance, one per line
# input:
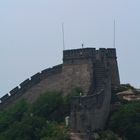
<point x="90" y="112"/>
<point x="94" y="71"/>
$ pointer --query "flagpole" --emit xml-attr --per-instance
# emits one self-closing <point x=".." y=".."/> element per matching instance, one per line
<point x="63" y="34"/>
<point x="114" y="39"/>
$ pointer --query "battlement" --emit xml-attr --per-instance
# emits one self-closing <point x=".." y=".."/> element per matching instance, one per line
<point x="111" y="53"/>
<point x="85" y="53"/>
<point x="30" y="82"/>
<point x="87" y="102"/>
<point x="79" y="53"/>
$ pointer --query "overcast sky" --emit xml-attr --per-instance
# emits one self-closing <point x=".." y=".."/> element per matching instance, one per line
<point x="31" y="37"/>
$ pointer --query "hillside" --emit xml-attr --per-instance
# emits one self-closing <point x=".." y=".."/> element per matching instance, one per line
<point x="42" y="120"/>
<point x="45" y="120"/>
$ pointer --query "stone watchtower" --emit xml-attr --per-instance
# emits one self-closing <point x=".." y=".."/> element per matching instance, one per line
<point x="90" y="111"/>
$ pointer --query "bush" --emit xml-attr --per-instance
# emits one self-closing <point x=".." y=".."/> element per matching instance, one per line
<point x="50" y="106"/>
<point x="109" y="135"/>
<point x="126" y="121"/>
<point x="13" y="114"/>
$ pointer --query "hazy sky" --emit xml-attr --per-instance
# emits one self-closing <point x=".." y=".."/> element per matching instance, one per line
<point x="31" y="37"/>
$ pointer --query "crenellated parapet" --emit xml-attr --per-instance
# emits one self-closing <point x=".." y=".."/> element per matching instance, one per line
<point x="88" y="53"/>
<point x="30" y="82"/>
<point x="79" y="53"/>
<point x="87" y="102"/>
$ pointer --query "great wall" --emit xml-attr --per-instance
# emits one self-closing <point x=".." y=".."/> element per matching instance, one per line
<point x="94" y="71"/>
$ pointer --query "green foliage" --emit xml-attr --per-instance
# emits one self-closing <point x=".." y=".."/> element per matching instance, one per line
<point x="109" y="135"/>
<point x="126" y="121"/>
<point x="13" y="114"/>
<point x="54" y="131"/>
<point x="40" y="121"/>
<point x="76" y="91"/>
<point x="50" y="106"/>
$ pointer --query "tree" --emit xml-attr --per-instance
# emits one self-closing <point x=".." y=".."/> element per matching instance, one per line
<point x="50" y="106"/>
<point x="126" y="121"/>
<point x="12" y="114"/>
<point x="42" y="120"/>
